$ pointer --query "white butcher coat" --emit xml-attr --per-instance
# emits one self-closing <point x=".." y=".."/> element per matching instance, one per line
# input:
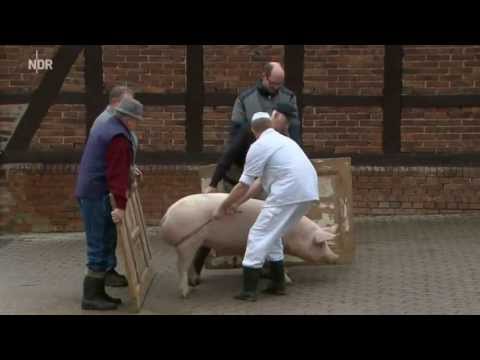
<point x="291" y="182"/>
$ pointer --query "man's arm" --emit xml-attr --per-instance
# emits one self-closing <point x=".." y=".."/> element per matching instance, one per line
<point x="295" y="127"/>
<point x="254" y="165"/>
<point x="118" y="172"/>
<point x="229" y="205"/>
<point x="254" y="191"/>
<point x="234" y="150"/>
<point x="239" y="118"/>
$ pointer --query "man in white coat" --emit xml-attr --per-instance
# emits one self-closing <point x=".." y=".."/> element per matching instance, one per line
<point x="277" y="164"/>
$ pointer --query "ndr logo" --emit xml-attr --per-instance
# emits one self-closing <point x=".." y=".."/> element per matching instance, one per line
<point x="40" y="64"/>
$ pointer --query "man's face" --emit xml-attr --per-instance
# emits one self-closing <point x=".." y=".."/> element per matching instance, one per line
<point x="280" y="122"/>
<point x="116" y="101"/>
<point x="131" y="123"/>
<point x="274" y="81"/>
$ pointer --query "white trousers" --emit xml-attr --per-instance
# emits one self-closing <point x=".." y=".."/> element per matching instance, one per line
<point x="265" y="236"/>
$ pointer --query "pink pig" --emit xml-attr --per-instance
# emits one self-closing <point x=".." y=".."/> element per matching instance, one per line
<point x="188" y="225"/>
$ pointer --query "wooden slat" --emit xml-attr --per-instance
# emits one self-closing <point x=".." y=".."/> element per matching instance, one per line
<point x="194" y="99"/>
<point x="95" y="100"/>
<point x="135" y="249"/>
<point x="43" y="98"/>
<point x="294" y="68"/>
<point x="392" y="100"/>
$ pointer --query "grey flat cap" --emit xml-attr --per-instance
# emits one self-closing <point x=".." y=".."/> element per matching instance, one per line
<point x="130" y="107"/>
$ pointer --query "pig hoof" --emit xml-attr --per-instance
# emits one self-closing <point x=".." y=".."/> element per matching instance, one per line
<point x="288" y="279"/>
<point x="195" y="281"/>
<point x="332" y="258"/>
<point x="184" y="291"/>
<point x="246" y="297"/>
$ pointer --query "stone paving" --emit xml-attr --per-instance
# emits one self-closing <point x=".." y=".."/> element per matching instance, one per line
<point x="403" y="265"/>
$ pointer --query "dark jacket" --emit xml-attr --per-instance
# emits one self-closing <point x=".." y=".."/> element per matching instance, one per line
<point x="92" y="177"/>
<point x="235" y="153"/>
<point x="258" y="99"/>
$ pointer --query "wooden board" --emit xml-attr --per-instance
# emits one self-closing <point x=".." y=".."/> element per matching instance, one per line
<point x="135" y="249"/>
<point x="334" y="208"/>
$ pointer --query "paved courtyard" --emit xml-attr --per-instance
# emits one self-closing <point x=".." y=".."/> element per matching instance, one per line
<point x="403" y="265"/>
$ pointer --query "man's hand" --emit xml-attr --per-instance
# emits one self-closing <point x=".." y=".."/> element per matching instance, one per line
<point x="210" y="190"/>
<point x="220" y="212"/>
<point x="118" y="215"/>
<point x="137" y="172"/>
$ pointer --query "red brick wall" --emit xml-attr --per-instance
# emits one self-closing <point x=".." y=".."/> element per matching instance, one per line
<point x="64" y="125"/>
<point x="342" y="130"/>
<point x="63" y="128"/>
<point x="329" y="70"/>
<point x="441" y="70"/>
<point x="163" y="129"/>
<point x="415" y="190"/>
<point x="236" y="67"/>
<point x="343" y="69"/>
<point x="39" y="198"/>
<point x="216" y="127"/>
<point x="445" y="130"/>
<point x="16" y="77"/>
<point x="8" y="117"/>
<point x="145" y="68"/>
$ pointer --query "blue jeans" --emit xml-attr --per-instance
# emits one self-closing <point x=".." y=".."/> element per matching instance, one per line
<point x="101" y="233"/>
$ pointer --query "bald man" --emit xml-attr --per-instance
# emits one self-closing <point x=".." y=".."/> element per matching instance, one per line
<point x="265" y="96"/>
<point x="267" y="92"/>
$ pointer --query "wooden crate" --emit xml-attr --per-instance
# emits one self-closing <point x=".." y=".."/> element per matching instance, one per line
<point x="135" y="249"/>
<point x="334" y="208"/>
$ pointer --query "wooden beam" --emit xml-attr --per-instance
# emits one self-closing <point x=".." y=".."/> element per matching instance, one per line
<point x="25" y="98"/>
<point x="392" y="99"/>
<point x="440" y="101"/>
<point x="294" y="70"/>
<point x="220" y="99"/>
<point x="227" y="99"/>
<point x="151" y="99"/>
<point x="194" y="99"/>
<point x="43" y="97"/>
<point x="179" y="158"/>
<point x="95" y="100"/>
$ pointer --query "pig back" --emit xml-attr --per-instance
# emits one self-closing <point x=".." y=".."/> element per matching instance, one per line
<point x="229" y="235"/>
<point x="184" y="216"/>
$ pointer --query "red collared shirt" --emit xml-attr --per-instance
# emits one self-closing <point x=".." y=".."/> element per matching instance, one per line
<point x="119" y="160"/>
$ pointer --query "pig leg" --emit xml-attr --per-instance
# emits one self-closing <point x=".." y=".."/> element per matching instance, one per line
<point x="197" y="265"/>
<point x="186" y="252"/>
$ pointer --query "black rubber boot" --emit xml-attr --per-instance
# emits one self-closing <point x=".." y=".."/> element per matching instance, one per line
<point x="94" y="296"/>
<point x="250" y="282"/>
<point x="266" y="271"/>
<point x="277" y="286"/>
<point x="114" y="279"/>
